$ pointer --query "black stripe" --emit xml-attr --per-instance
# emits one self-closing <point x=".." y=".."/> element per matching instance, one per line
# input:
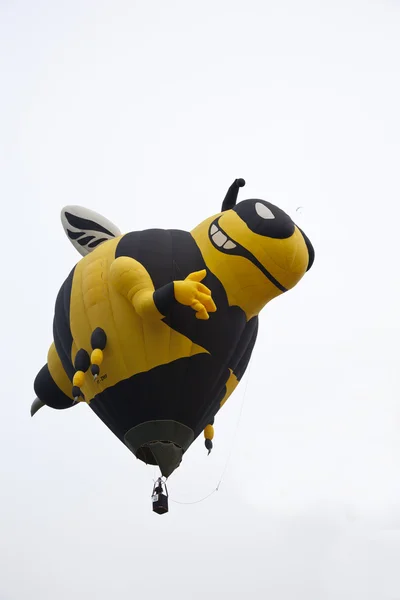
<point x="80" y="223"/>
<point x="164" y="298"/>
<point x="311" y="253"/>
<point x="75" y="234"/>
<point x="85" y="240"/>
<point x="97" y="242"/>
<point x="48" y="391"/>
<point x="280" y="227"/>
<point x="181" y="390"/>
<point x="61" y="325"/>
<point x="266" y="273"/>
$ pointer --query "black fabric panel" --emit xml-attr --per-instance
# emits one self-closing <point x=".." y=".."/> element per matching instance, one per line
<point x="214" y="407"/>
<point x="240" y="361"/>
<point x="280" y="227"/>
<point x="182" y="391"/>
<point x="98" y="339"/>
<point x="310" y="248"/>
<point x="82" y="360"/>
<point x="61" y="326"/>
<point x="48" y="392"/>
<point x="244" y="349"/>
<point x="164" y="298"/>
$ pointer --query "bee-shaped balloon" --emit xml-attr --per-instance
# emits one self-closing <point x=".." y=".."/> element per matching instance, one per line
<point x="154" y="329"/>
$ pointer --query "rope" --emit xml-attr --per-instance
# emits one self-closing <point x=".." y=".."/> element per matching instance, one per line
<point x="196" y="501"/>
<point x="231" y="448"/>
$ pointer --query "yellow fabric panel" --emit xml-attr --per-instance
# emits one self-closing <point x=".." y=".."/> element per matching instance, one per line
<point x="146" y="343"/>
<point x="209" y="432"/>
<point x="132" y="281"/>
<point x="246" y="286"/>
<point x="78" y="379"/>
<point x="96" y="358"/>
<point x="285" y="259"/>
<point x="230" y="387"/>
<point x="134" y="344"/>
<point x="57" y="372"/>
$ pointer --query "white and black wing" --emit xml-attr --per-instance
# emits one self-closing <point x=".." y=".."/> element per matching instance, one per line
<point x="86" y="229"/>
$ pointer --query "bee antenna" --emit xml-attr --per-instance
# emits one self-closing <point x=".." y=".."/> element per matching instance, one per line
<point x="232" y="194"/>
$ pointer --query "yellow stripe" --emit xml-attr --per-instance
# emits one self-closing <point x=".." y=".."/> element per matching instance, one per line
<point x="230" y="387"/>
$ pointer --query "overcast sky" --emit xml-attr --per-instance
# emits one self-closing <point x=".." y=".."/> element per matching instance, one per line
<point x="146" y="112"/>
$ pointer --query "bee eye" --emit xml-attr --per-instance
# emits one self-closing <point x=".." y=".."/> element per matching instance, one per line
<point x="263" y="211"/>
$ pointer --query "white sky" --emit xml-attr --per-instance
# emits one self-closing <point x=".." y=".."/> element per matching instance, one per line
<point x="146" y="112"/>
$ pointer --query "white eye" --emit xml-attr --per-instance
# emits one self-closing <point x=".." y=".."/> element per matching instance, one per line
<point x="263" y="211"/>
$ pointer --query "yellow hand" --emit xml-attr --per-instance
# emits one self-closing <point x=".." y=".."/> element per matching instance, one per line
<point x="190" y="292"/>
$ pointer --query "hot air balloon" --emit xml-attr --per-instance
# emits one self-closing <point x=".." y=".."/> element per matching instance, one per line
<point x="154" y="329"/>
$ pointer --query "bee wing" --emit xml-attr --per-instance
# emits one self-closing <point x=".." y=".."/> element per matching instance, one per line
<point x="86" y="229"/>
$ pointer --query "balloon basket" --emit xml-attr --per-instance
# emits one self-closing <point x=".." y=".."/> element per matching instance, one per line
<point x="159" y="497"/>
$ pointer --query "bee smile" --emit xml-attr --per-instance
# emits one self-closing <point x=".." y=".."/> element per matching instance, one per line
<point x="223" y="243"/>
<point x="220" y="239"/>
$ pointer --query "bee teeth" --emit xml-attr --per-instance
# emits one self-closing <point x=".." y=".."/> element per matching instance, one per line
<point x="219" y="238"/>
